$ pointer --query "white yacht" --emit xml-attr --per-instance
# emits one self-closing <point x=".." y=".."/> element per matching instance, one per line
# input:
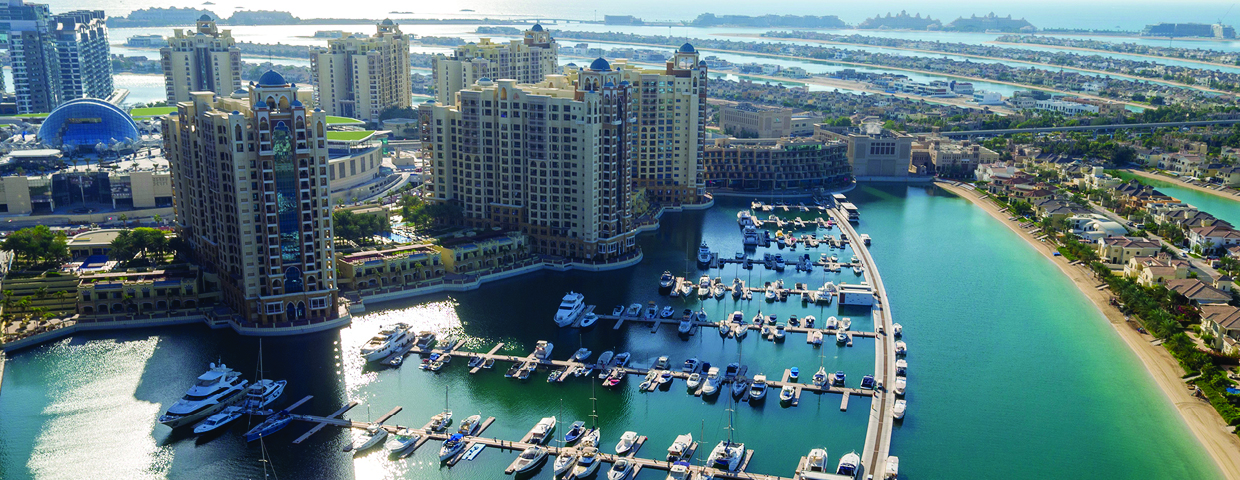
<point x="751" y="238"/>
<point x="771" y="294"/>
<point x="686" y="325"/>
<point x="841" y="337"/>
<point x="218" y="420"/>
<point x="634" y="310"/>
<point x="680" y="471"/>
<point x="542" y="350"/>
<point x="581" y="354"/>
<point x="816" y="461"/>
<point x="820" y="378"/>
<point x="570" y="307"/>
<point x="757" y="389"/>
<point x="564" y="461"/>
<point x="713" y="380"/>
<point x="901" y="348"/>
<point x="542" y="430"/>
<point x="620" y="469"/>
<point x="845" y="323"/>
<point x="899" y="408"/>
<point x="263" y="392"/>
<point x="626" y="442"/>
<point x="452" y="446"/>
<point x="667" y="312"/>
<point x="786" y="393"/>
<point x="402" y="441"/>
<point x="441" y="420"/>
<point x="727" y="455"/>
<point x="666" y="280"/>
<point x="893" y="467"/>
<point x="470" y="425"/>
<point x="588" y="319"/>
<point x="679" y="447"/>
<point x="587" y="463"/>
<point x="848" y="465"/>
<point x="703" y="256"/>
<point x="695" y="381"/>
<point x="900" y="386"/>
<point x="214" y="390"/>
<point x="815" y="337"/>
<point x="897" y="330"/>
<point x="832" y="323"/>
<point x="373" y="435"/>
<point x="530" y="458"/>
<point x="389" y="339"/>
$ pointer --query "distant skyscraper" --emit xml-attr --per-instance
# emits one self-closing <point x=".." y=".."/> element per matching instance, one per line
<point x="55" y="58"/>
<point x="360" y="77"/>
<point x="527" y="61"/>
<point x="203" y="60"/>
<point x="250" y="179"/>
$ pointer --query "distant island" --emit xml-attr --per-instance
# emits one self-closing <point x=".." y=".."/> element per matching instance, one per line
<point x="173" y="16"/>
<point x="988" y="23"/>
<point x="794" y="21"/>
<point x="489" y="30"/>
<point x="902" y="21"/>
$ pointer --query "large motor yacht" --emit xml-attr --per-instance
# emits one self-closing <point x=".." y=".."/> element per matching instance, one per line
<point x="571" y="307"/>
<point x="389" y="339"/>
<point x="219" y="387"/>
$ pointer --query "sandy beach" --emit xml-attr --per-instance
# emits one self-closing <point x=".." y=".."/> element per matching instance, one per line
<point x="1228" y="194"/>
<point x="1205" y="423"/>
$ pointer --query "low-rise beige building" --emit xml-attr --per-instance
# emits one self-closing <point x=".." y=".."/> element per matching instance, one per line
<point x="486" y="252"/>
<point x="154" y="292"/>
<point x="401" y="266"/>
<point x="746" y="120"/>
<point x="1118" y="250"/>
<point x="1156" y="270"/>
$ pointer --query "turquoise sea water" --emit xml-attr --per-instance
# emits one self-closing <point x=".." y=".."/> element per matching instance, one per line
<point x="1013" y="372"/>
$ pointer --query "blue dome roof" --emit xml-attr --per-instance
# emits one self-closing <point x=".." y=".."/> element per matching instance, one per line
<point x="536" y="28"/>
<point x="271" y="79"/>
<point x="86" y="122"/>
<point x="686" y="48"/>
<point x="600" y="65"/>
<point x="296" y="103"/>
<point x="387" y="22"/>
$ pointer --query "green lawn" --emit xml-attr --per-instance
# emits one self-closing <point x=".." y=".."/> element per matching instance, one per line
<point x="337" y="121"/>
<point x="350" y="136"/>
<point x="151" y="111"/>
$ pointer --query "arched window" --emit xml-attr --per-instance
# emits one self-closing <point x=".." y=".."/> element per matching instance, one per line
<point x="263" y="125"/>
<point x="292" y="280"/>
<point x="238" y="134"/>
<point x="320" y="129"/>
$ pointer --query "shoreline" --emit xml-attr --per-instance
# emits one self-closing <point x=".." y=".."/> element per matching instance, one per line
<point x="1181" y="183"/>
<point x="984" y="57"/>
<point x="875" y="66"/>
<point x="1094" y="50"/>
<point x="1198" y="415"/>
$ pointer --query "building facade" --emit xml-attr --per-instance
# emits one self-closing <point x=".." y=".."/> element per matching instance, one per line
<point x="360" y="77"/>
<point x="251" y="197"/>
<point x="528" y="60"/>
<point x="749" y="121"/>
<point x="204" y="60"/>
<point x="874" y="151"/>
<point x="783" y="164"/>
<point x="549" y="160"/>
<point x="85" y="67"/>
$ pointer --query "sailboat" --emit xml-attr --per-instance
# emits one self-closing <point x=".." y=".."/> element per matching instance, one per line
<point x="728" y="455"/>
<point x="440" y="421"/>
<point x="588" y="461"/>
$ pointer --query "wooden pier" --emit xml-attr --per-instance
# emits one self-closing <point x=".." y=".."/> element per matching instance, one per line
<point x="490" y="354"/>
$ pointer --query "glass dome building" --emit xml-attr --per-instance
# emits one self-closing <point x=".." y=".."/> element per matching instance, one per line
<point x="86" y="122"/>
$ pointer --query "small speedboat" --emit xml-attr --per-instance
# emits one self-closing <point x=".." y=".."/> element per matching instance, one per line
<point x="779" y="333"/>
<point x="900" y="386"/>
<point x="665" y="377"/>
<point x="893" y="467"/>
<point x="739" y="388"/>
<point x="575" y="432"/>
<point x="542" y="430"/>
<point x="581" y="354"/>
<point x="618" y="311"/>
<point x="620" y="469"/>
<point x="809" y="321"/>
<point x="626" y="443"/>
<point x="218" y="420"/>
<point x="848" y="465"/>
<point x="475" y="361"/>
<point x="820" y="378"/>
<point x="841" y="337"/>
<point x="793" y="374"/>
<point x="634" y="310"/>
<point x="838" y="378"/>
<point x="695" y="380"/>
<point x="530" y="458"/>
<point x="371" y="437"/>
<point x="452" y="446"/>
<point x="712" y="382"/>
<point x="845" y="323"/>
<point x="402" y="441"/>
<point x="815" y="337"/>
<point x="757" y="390"/>
<point x="667" y="312"/>
<point x="901" y="348"/>
<point x="565" y="461"/>
<point x="588" y="320"/>
<point x="690" y="365"/>
<point x="898" y="331"/>
<point x="898" y="410"/>
<point x="269" y="426"/>
<point x="680" y="471"/>
<point x="622" y="359"/>
<point x="587" y="462"/>
<point x="786" y="393"/>
<point x="652" y="311"/>
<point x="832" y="323"/>
<point x="867" y="382"/>
<point x="441" y="420"/>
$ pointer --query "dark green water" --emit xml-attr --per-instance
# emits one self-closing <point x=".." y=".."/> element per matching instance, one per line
<point x="1013" y="372"/>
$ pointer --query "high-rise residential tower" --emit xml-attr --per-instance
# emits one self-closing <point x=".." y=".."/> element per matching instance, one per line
<point x="527" y="61"/>
<point x="548" y="159"/>
<point x="205" y="59"/>
<point x="670" y="132"/>
<point x="360" y="77"/>
<point x="250" y="185"/>
<point x="55" y="58"/>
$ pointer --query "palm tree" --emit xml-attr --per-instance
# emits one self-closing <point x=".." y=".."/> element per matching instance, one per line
<point x="40" y="293"/>
<point x="8" y="299"/>
<point x="60" y="295"/>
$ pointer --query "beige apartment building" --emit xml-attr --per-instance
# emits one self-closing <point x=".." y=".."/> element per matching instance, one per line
<point x="873" y="151"/>
<point x="203" y="60"/>
<point x="750" y="121"/>
<point x="360" y="77"/>
<point x="775" y="164"/>
<point x="250" y="178"/>
<point x="527" y="61"/>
